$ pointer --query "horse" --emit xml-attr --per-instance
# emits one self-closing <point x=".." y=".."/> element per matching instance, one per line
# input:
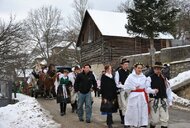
<point x="48" y="81"/>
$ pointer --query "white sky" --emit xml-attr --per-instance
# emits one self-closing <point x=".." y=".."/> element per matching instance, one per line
<point x="20" y="8"/>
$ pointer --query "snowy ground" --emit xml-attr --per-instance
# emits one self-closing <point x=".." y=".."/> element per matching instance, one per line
<point x="27" y="113"/>
<point x="177" y="80"/>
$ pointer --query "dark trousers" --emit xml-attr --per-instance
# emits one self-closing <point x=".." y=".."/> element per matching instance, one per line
<point x="74" y="106"/>
<point x="109" y="120"/>
<point x="121" y="116"/>
<point x="63" y="107"/>
<point x="97" y="93"/>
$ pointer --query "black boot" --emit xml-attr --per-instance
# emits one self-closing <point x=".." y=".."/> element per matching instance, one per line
<point x="163" y="126"/>
<point x="109" y="120"/>
<point x="73" y="108"/>
<point x="62" y="109"/>
<point x="121" y="116"/>
<point x="110" y="126"/>
<point x="152" y="126"/>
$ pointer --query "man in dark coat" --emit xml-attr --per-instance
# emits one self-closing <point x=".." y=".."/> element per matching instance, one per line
<point x="85" y="82"/>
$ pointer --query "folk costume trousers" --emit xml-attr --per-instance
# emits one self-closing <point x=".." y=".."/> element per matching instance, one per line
<point x="159" y="112"/>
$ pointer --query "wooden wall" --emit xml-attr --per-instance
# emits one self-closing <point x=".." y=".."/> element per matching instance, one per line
<point x="115" y="47"/>
<point x="89" y="28"/>
<point x="92" y="52"/>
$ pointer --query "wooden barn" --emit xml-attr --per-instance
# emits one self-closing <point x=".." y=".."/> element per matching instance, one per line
<point x="103" y="38"/>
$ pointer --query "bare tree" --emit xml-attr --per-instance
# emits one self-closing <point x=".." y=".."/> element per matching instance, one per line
<point x="125" y="5"/>
<point x="79" y="7"/>
<point x="183" y="22"/>
<point x="44" y="29"/>
<point x="11" y="39"/>
<point x="75" y="23"/>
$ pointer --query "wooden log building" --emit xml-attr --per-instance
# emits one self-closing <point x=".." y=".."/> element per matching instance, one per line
<point x="103" y="38"/>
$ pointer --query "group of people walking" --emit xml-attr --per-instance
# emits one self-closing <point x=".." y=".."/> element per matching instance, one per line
<point x="140" y="99"/>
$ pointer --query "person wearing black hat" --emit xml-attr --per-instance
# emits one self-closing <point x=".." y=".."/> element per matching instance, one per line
<point x="120" y="77"/>
<point x="162" y="100"/>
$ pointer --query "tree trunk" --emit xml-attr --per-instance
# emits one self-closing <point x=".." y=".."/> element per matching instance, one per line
<point x="152" y="51"/>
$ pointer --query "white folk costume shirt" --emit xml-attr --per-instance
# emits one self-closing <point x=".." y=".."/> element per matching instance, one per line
<point x="137" y="107"/>
<point x="56" y="83"/>
<point x="118" y="83"/>
<point x="64" y="87"/>
<point x="72" y="77"/>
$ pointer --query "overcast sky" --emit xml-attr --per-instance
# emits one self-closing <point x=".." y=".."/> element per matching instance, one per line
<point x="20" y="8"/>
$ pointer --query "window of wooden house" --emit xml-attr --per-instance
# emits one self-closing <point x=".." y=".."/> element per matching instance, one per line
<point x="157" y="44"/>
<point x="82" y="39"/>
<point x="90" y="32"/>
<point x="90" y="35"/>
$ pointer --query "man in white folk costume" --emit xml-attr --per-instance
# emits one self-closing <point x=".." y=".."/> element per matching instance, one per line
<point x="120" y="78"/>
<point x="137" y="106"/>
<point x="160" y="102"/>
<point x="72" y="76"/>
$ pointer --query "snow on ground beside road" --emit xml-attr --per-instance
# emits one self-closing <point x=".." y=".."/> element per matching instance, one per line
<point x="181" y="100"/>
<point x="27" y="113"/>
<point x="181" y="77"/>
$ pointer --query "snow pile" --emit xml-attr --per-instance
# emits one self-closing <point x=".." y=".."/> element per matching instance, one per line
<point x="180" y="100"/>
<point x="180" y="78"/>
<point x="177" y="80"/>
<point x="27" y="113"/>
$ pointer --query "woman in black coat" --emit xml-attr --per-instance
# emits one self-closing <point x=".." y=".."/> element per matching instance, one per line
<point x="109" y="95"/>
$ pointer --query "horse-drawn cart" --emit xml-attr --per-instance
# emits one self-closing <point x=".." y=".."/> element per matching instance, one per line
<point x="42" y="84"/>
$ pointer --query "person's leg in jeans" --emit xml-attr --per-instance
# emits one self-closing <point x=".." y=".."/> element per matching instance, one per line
<point x="80" y="111"/>
<point x="88" y="106"/>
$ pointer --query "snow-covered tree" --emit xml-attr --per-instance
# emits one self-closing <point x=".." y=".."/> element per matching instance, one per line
<point x="149" y="17"/>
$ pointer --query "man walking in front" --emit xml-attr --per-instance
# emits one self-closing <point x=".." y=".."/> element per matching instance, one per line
<point x="85" y="82"/>
<point x="160" y="102"/>
<point x="120" y="77"/>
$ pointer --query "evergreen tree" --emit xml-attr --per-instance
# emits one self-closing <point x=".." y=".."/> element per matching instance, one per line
<point x="149" y="17"/>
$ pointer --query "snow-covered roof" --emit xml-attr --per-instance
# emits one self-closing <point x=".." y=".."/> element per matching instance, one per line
<point x="113" y="24"/>
<point x="64" y="44"/>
